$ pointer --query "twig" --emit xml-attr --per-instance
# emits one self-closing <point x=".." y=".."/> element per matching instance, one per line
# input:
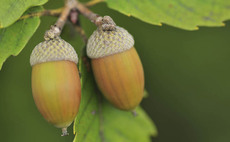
<point x="93" y="2"/>
<point x="106" y="22"/>
<point x="51" y="12"/>
<point x="55" y="30"/>
<point x="65" y="13"/>
<point x="56" y="12"/>
<point x="86" y="12"/>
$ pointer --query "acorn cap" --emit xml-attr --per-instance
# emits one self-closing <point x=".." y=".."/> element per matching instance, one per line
<point x="53" y="49"/>
<point x="108" y="42"/>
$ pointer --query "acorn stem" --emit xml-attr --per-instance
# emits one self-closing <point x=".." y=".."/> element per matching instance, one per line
<point x="134" y="113"/>
<point x="69" y="4"/>
<point x="106" y="22"/>
<point x="86" y="12"/>
<point x="55" y="30"/>
<point x="64" y="132"/>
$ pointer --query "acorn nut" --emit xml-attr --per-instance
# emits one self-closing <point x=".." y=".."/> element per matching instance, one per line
<point x="116" y="65"/>
<point x="55" y="81"/>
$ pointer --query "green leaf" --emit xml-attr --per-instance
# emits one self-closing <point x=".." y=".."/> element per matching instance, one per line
<point x="179" y="13"/>
<point x="11" y="10"/>
<point x="98" y="121"/>
<point x="14" y="38"/>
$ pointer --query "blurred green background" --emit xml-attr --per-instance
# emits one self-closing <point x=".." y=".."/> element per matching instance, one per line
<point x="186" y="72"/>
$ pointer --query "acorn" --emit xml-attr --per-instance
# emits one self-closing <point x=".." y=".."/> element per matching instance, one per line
<point x="56" y="84"/>
<point x="116" y="65"/>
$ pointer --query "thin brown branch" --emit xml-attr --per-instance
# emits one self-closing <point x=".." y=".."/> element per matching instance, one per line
<point x="57" y="28"/>
<point x="106" y="22"/>
<point x="56" y="12"/>
<point x="86" y="12"/>
<point x="65" y="13"/>
<point x="50" y="12"/>
<point x="93" y="2"/>
<point x="82" y="8"/>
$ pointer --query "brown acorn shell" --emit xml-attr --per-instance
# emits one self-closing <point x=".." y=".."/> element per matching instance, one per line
<point x="57" y="91"/>
<point x="120" y="78"/>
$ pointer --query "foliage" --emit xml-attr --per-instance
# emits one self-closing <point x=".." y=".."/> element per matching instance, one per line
<point x="11" y="10"/>
<point x="14" y="38"/>
<point x="182" y="14"/>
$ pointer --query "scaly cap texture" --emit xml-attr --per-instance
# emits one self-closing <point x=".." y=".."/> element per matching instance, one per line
<point x="108" y="42"/>
<point x="53" y="49"/>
